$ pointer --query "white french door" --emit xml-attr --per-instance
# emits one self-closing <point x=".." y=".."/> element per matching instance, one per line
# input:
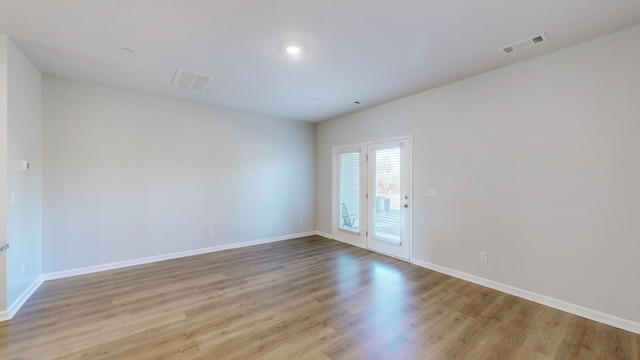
<point x="372" y="193"/>
<point x="389" y="195"/>
<point x="349" y="215"/>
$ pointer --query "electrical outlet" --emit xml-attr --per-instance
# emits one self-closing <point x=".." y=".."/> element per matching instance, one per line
<point x="210" y="232"/>
<point x="301" y="220"/>
<point x="484" y="256"/>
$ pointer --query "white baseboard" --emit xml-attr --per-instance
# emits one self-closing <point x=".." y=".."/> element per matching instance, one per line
<point x="540" y="299"/>
<point x="152" y="259"/>
<point x="331" y="237"/>
<point x="323" y="234"/>
<point x="17" y="304"/>
<point x="363" y="246"/>
<point x="4" y="316"/>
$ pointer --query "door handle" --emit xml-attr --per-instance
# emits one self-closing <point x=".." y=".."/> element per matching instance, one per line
<point x="406" y="205"/>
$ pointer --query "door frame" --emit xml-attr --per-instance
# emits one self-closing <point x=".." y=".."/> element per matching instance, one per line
<point x="361" y="239"/>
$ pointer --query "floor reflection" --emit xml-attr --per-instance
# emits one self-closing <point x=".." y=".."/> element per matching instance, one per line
<point x="347" y="273"/>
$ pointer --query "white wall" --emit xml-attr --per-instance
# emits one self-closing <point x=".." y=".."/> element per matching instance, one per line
<point x="537" y="163"/>
<point x="129" y="176"/>
<point x="24" y="218"/>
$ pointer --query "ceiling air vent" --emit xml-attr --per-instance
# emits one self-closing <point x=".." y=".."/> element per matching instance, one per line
<point x="191" y="80"/>
<point x="535" y="40"/>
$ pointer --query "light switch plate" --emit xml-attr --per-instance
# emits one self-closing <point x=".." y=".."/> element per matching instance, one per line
<point x="432" y="193"/>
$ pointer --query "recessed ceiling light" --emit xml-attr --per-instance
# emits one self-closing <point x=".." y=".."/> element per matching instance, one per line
<point x="293" y="48"/>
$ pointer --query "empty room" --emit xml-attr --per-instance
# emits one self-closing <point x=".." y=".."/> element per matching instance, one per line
<point x="278" y="179"/>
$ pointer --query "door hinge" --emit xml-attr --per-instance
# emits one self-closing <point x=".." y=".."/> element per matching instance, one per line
<point x="366" y="234"/>
<point x="366" y="157"/>
<point x="366" y="196"/>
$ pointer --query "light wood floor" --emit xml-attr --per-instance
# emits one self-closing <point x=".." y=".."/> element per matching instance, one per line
<point x="308" y="298"/>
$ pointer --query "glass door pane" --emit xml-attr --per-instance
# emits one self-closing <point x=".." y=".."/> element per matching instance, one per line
<point x="349" y="191"/>
<point x="387" y="217"/>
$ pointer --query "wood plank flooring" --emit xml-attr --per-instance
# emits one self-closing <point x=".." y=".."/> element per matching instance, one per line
<point x="308" y="298"/>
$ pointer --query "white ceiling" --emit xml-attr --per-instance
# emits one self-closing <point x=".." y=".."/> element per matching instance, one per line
<point x="372" y="51"/>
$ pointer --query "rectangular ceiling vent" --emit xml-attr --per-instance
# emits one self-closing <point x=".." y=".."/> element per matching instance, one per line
<point x="191" y="80"/>
<point x="522" y="44"/>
